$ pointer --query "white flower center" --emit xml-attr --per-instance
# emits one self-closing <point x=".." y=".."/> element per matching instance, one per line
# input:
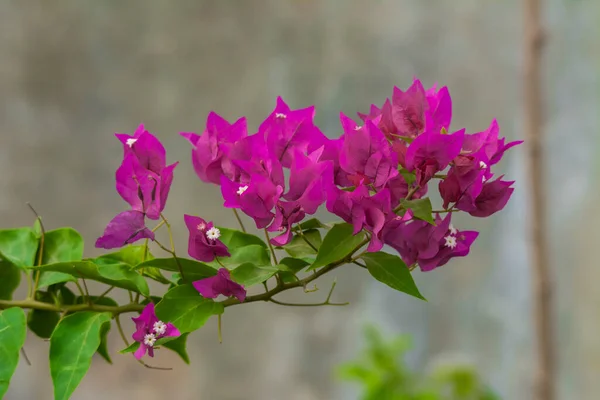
<point x="213" y="233"/>
<point x="280" y="115"/>
<point x="242" y="189"/>
<point x="450" y="241"/>
<point x="482" y="164"/>
<point x="149" y="339"/>
<point x="357" y="128"/>
<point x="452" y="229"/>
<point x="130" y="142"/>
<point x="201" y="226"/>
<point x="159" y="328"/>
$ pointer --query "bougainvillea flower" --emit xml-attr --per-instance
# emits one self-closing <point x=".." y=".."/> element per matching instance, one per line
<point x="371" y="213"/>
<point x="220" y="284"/>
<point x="488" y="143"/>
<point x="430" y="246"/>
<point x="492" y="198"/>
<point x="148" y="329"/>
<point x="308" y="180"/>
<point x="286" y="129"/>
<point x="464" y="180"/>
<point x="256" y="198"/>
<point x="258" y="161"/>
<point x="126" y="228"/>
<point x="143" y="189"/>
<point x="148" y="150"/>
<point x="439" y="115"/>
<point x="330" y="151"/>
<point x="399" y="189"/>
<point x="431" y="152"/>
<point x="408" y="109"/>
<point x="209" y="149"/>
<point x="366" y="154"/>
<point x="203" y="243"/>
<point x="286" y="214"/>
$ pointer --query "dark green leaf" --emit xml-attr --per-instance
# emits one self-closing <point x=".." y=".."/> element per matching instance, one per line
<point x="155" y="274"/>
<point x="292" y="264"/>
<point x="115" y="274"/>
<point x="299" y="247"/>
<point x="18" y="246"/>
<point x="338" y="244"/>
<point x="72" y="345"/>
<point x="10" y="277"/>
<point x="234" y="238"/>
<point x="12" y="337"/>
<point x="392" y="271"/>
<point x="249" y="274"/>
<point x="50" y="278"/>
<point x="61" y="245"/>
<point x="312" y="223"/>
<point x="192" y="270"/>
<point x="178" y="345"/>
<point x="131" y="348"/>
<point x="186" y="309"/>
<point x="103" y="347"/>
<point x="43" y="322"/>
<point x="421" y="208"/>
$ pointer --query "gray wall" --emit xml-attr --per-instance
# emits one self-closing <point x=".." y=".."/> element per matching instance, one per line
<point x="72" y="72"/>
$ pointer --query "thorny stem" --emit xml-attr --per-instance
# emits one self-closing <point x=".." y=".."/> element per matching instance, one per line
<point x="122" y="334"/>
<point x="239" y="220"/>
<point x="81" y="292"/>
<point x="25" y="356"/>
<point x="325" y="303"/>
<point x="107" y="291"/>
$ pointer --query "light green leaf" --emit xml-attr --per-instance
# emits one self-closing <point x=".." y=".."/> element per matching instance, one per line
<point x="253" y="253"/>
<point x="61" y="245"/>
<point x="131" y="348"/>
<point x="234" y="238"/>
<point x="421" y="208"/>
<point x="392" y="271"/>
<point x="338" y="244"/>
<point x="10" y="277"/>
<point x="105" y="301"/>
<point x="192" y="270"/>
<point x="72" y="345"/>
<point x="179" y="346"/>
<point x="409" y="177"/>
<point x="299" y="247"/>
<point x="12" y="337"/>
<point x="249" y="274"/>
<point x="114" y="274"/>
<point x="186" y="309"/>
<point x="18" y="246"/>
<point x="49" y="278"/>
<point x="130" y="255"/>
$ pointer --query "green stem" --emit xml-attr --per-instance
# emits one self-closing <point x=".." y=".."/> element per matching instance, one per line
<point x="31" y="290"/>
<point x="38" y="305"/>
<point x="239" y="220"/>
<point x="271" y="247"/>
<point x="172" y="251"/>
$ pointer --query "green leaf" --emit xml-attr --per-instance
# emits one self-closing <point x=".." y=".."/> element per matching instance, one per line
<point x="193" y="270"/>
<point x="52" y="278"/>
<point x="299" y="247"/>
<point x="253" y="253"/>
<point x="18" y="246"/>
<point x="292" y="264"/>
<point x="103" y="347"/>
<point x="186" y="309"/>
<point x="12" y="337"/>
<point x="421" y="208"/>
<point x="114" y="274"/>
<point x="312" y="223"/>
<point x="130" y="255"/>
<point x="10" y="277"/>
<point x="72" y="345"/>
<point x="338" y="244"/>
<point x="392" y="271"/>
<point x="249" y="274"/>
<point x="409" y="177"/>
<point x="131" y="348"/>
<point x="60" y="245"/>
<point x="178" y="345"/>
<point x="155" y="274"/>
<point x="43" y="322"/>
<point x="234" y="238"/>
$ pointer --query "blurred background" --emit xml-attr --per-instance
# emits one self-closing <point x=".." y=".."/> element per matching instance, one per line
<point x="73" y="72"/>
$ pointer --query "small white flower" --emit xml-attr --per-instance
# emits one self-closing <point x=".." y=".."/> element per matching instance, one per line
<point x="159" y="328"/>
<point x="149" y="339"/>
<point x="357" y="128"/>
<point x="130" y="142"/>
<point x="280" y="115"/>
<point x="213" y="233"/>
<point x="242" y="189"/>
<point x="483" y="179"/>
<point x="450" y="241"/>
<point x="482" y="164"/>
<point x="452" y="229"/>
<point x="201" y="226"/>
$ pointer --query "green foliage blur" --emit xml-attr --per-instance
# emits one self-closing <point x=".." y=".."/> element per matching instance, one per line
<point x="382" y="372"/>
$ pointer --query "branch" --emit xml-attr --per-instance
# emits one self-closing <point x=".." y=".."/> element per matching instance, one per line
<point x="545" y="374"/>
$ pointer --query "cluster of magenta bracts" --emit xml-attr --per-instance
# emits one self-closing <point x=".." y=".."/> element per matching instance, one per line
<point x="362" y="177"/>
